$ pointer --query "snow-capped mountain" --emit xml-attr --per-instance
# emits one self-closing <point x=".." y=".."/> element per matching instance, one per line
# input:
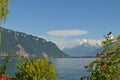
<point x="84" y="48"/>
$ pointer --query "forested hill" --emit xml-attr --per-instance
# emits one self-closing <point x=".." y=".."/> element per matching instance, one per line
<point x="18" y="43"/>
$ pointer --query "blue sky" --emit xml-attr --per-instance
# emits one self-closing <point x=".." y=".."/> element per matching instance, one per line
<point x="39" y="17"/>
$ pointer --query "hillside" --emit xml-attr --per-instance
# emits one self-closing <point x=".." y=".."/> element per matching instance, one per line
<point x="18" y="43"/>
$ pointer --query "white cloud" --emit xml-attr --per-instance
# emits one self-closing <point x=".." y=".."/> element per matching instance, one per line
<point x="66" y="33"/>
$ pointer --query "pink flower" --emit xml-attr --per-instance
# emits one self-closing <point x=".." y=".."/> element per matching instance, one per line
<point x="97" y="55"/>
<point x="3" y="77"/>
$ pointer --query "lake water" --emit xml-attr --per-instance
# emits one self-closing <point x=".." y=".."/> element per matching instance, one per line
<point x="67" y="68"/>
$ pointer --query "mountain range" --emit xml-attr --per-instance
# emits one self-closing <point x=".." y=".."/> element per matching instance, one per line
<point x="84" y="48"/>
<point x="22" y="44"/>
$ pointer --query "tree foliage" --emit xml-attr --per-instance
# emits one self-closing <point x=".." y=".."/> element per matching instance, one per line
<point x="4" y="67"/>
<point x="107" y="64"/>
<point x="36" y="69"/>
<point x="0" y="37"/>
<point x="4" y="11"/>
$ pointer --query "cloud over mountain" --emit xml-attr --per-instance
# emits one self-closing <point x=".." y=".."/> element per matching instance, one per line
<point x="66" y="33"/>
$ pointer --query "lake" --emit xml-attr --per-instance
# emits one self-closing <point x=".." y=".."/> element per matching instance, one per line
<point x="67" y="68"/>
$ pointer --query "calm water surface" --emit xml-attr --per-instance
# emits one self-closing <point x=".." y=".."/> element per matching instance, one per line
<point x="71" y="68"/>
<point x="67" y="68"/>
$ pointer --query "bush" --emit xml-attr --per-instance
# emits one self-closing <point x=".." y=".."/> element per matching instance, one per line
<point x="4" y="67"/>
<point x="107" y="64"/>
<point x="36" y="69"/>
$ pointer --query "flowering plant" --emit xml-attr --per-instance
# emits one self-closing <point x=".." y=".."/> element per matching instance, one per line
<point x="107" y="64"/>
<point x="3" y="77"/>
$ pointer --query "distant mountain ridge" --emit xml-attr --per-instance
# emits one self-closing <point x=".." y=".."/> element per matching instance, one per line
<point x="85" y="48"/>
<point x="18" y="43"/>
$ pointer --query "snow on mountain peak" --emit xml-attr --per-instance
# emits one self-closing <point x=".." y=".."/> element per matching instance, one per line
<point x="73" y="43"/>
<point x="84" y="47"/>
<point x="96" y="43"/>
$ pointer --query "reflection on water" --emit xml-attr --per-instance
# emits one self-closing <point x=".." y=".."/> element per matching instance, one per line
<point x="67" y="68"/>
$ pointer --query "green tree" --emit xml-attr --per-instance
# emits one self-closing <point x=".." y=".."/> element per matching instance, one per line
<point x="0" y="37"/>
<point x="107" y="64"/>
<point x="4" y="12"/>
<point x="36" y="69"/>
<point x="5" y="65"/>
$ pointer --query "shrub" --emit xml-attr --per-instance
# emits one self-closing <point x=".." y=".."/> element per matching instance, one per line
<point x="107" y="66"/>
<point x="36" y="69"/>
<point x="4" y="67"/>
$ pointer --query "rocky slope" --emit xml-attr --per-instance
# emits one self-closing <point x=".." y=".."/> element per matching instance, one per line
<point x="18" y="43"/>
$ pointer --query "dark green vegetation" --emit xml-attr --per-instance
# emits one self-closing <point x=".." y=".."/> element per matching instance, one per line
<point x="17" y="43"/>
